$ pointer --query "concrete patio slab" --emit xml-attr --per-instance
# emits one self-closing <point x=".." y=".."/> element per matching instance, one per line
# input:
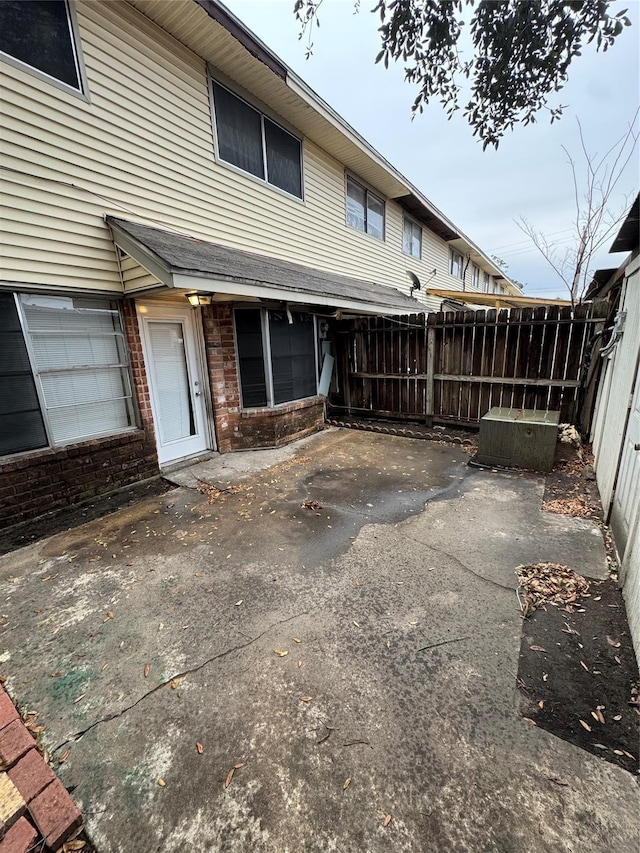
<point x="161" y="627"/>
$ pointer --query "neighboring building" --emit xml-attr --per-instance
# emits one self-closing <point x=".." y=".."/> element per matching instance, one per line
<point x="152" y="150"/>
<point x="616" y="429"/>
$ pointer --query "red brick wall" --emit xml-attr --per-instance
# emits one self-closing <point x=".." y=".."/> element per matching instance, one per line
<point x="32" y="484"/>
<point x="237" y="429"/>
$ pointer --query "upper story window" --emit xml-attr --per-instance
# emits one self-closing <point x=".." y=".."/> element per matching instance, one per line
<point x="251" y="141"/>
<point x="39" y="34"/>
<point x="485" y="282"/>
<point x="412" y="238"/>
<point x="456" y="263"/>
<point x="475" y="277"/>
<point x="365" y="210"/>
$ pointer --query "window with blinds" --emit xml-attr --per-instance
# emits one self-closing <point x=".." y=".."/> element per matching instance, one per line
<point x="285" y="369"/>
<point x="254" y="143"/>
<point x="79" y="362"/>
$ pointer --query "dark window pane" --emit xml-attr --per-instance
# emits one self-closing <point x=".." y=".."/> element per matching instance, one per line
<point x="21" y="424"/>
<point x="251" y="357"/>
<point x="239" y="129"/>
<point x="293" y="359"/>
<point x="283" y="159"/>
<point x="38" y="33"/>
<point x="375" y="216"/>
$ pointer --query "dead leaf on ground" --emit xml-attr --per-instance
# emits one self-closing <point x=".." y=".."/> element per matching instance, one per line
<point x="585" y="725"/>
<point x="296" y="639"/>
<point x="530" y="721"/>
<point x="62" y="758"/>
<point x="598" y="715"/>
<point x="72" y="846"/>
<point x="346" y="783"/>
<point x="161" y="782"/>
<point x="550" y="583"/>
<point x="229" y="777"/>
<point x="299" y="664"/>
<point x="108" y="616"/>
<point x="387" y="820"/>
<point x="537" y="649"/>
<point x="78" y="698"/>
<point x="175" y="683"/>
<point x="617" y="717"/>
<point x="541" y="704"/>
<point x="104" y="666"/>
<point x="238" y="765"/>
<point x="147" y="670"/>
<point x="280" y="652"/>
<point x="238" y="603"/>
<point x="612" y="642"/>
<point x="584" y="666"/>
<point x="305" y="698"/>
<point x="199" y="747"/>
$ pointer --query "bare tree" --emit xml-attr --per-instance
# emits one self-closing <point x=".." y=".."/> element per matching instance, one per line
<point x="594" y="182"/>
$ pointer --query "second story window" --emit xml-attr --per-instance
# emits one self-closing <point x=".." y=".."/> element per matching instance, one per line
<point x="365" y="210"/>
<point x="456" y="263"/>
<point x="39" y="35"/>
<point x="251" y="141"/>
<point x="412" y="238"/>
<point x="485" y="282"/>
<point x="475" y="277"/>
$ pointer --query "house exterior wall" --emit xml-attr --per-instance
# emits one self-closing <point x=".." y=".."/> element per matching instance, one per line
<point x="609" y="432"/>
<point x="143" y="148"/>
<point x="615" y="389"/>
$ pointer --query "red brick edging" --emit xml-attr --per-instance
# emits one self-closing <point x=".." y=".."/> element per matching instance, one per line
<point x="36" y="801"/>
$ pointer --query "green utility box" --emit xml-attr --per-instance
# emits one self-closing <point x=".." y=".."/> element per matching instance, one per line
<point x="518" y="438"/>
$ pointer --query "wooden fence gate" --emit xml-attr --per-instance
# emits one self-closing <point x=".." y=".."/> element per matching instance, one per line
<point x="453" y="367"/>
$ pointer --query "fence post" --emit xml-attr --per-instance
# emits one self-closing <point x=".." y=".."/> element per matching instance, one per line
<point x="431" y="353"/>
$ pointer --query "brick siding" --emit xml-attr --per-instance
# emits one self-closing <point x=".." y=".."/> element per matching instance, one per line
<point x="238" y="429"/>
<point x="32" y="484"/>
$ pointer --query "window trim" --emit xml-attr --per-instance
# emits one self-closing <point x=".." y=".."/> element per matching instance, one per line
<point x="349" y="176"/>
<point x="264" y="112"/>
<point x="76" y="43"/>
<point x="266" y="354"/>
<point x="475" y="277"/>
<point x="407" y="218"/>
<point x="44" y="411"/>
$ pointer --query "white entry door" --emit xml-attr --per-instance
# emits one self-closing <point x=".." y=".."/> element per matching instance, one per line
<point x="175" y="381"/>
<point x="626" y="498"/>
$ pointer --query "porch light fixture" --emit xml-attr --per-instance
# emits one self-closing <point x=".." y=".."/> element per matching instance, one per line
<point x="196" y="299"/>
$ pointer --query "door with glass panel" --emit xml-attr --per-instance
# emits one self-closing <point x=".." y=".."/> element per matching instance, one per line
<point x="175" y="381"/>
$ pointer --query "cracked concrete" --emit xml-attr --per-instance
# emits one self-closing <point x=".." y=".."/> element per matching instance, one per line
<point x="401" y="593"/>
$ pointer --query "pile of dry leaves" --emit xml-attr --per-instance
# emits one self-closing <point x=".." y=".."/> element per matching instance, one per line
<point x="576" y="505"/>
<point x="549" y="583"/>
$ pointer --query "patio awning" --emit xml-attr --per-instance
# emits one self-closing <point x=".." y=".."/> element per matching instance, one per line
<point x="183" y="262"/>
<point x="493" y="300"/>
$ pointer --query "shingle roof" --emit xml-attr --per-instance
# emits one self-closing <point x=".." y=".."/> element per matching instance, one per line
<point x="186" y="255"/>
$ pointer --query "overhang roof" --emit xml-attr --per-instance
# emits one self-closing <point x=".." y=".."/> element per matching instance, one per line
<point x="493" y="300"/>
<point x="180" y="261"/>
<point x="628" y="237"/>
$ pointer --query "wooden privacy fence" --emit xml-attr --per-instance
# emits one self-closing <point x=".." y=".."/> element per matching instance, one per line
<point x="453" y="367"/>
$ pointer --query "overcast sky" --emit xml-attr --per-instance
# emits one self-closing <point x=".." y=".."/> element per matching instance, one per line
<point x="481" y="192"/>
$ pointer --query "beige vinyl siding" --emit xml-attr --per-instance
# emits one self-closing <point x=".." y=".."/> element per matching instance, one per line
<point x="135" y="277"/>
<point x="143" y="149"/>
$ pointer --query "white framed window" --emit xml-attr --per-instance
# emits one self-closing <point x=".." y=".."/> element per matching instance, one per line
<point x="76" y="357"/>
<point x="475" y="277"/>
<point x="277" y="356"/>
<point x="411" y="238"/>
<point x="252" y="142"/>
<point x="456" y="263"/>
<point x="41" y="36"/>
<point x="365" y="209"/>
<point x="486" y="278"/>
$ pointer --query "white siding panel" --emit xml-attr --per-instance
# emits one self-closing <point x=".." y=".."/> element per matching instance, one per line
<point x="143" y="149"/>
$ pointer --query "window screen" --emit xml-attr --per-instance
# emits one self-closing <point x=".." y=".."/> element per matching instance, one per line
<point x="283" y="159"/>
<point x="81" y="364"/>
<point x="239" y="129"/>
<point x="21" y="424"/>
<point x="39" y="34"/>
<point x="293" y="359"/>
<point x="251" y="357"/>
